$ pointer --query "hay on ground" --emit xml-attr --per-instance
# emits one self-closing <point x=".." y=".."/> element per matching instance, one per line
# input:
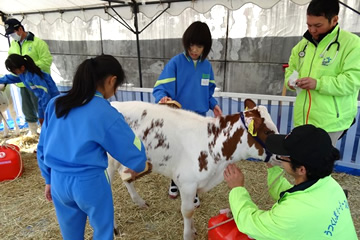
<point x="25" y="214"/>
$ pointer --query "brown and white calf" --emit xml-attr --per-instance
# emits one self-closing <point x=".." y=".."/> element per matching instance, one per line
<point x="191" y="149"/>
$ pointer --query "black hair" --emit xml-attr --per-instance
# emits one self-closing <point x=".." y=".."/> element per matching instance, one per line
<point x="16" y="61"/>
<point x="198" y="33"/>
<point x="89" y="75"/>
<point x="321" y="170"/>
<point x="326" y="8"/>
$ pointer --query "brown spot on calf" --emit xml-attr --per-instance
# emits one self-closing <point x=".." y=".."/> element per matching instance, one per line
<point x="229" y="146"/>
<point x="203" y="161"/>
<point x="154" y="123"/>
<point x="161" y="141"/>
<point x="224" y="122"/>
<point x="143" y="115"/>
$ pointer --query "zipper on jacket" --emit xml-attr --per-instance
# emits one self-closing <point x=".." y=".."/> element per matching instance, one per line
<point x="20" y="48"/>
<point x="312" y="61"/>
<point x="336" y="107"/>
<point x="195" y="63"/>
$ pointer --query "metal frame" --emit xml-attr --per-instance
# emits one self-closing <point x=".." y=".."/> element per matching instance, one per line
<point x="135" y="10"/>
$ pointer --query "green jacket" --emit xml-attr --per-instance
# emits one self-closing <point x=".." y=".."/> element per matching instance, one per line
<point x="334" y="101"/>
<point x="318" y="211"/>
<point x="36" y="48"/>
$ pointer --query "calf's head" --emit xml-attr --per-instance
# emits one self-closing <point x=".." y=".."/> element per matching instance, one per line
<point x="259" y="126"/>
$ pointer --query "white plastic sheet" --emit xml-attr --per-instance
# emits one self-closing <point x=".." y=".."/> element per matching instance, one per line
<point x="61" y="9"/>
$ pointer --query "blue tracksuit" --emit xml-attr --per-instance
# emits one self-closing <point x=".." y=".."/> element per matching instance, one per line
<point x="43" y="88"/>
<point x="192" y="85"/>
<point x="72" y="156"/>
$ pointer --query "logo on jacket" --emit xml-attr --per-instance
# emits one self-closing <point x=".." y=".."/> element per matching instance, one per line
<point x="326" y="61"/>
<point x="29" y="49"/>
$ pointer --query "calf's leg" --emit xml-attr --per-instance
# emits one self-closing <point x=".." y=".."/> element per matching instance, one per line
<point x="187" y="193"/>
<point x="13" y="116"/>
<point x="6" y="128"/>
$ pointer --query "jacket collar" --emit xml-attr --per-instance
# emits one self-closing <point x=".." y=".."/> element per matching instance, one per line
<point x="29" y="37"/>
<point x="189" y="58"/>
<point x="308" y="36"/>
<point x="300" y="187"/>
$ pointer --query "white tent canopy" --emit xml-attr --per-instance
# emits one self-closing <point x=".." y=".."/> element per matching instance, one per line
<point x="51" y="10"/>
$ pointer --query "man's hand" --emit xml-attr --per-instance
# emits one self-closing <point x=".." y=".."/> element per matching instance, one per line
<point x="290" y="86"/>
<point x="217" y="111"/>
<point x="307" y="83"/>
<point x="233" y="176"/>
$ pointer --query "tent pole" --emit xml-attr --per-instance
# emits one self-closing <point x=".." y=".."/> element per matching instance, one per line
<point x="135" y="10"/>
<point x="226" y="49"/>
<point x="349" y="7"/>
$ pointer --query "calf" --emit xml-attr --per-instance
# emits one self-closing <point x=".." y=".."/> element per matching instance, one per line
<point x="194" y="150"/>
<point x="6" y="102"/>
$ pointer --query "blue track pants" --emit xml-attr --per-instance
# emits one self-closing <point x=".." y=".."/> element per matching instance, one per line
<point x="76" y="197"/>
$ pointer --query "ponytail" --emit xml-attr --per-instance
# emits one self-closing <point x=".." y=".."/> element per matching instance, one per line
<point x="90" y="74"/>
<point x="31" y="66"/>
<point x="16" y="61"/>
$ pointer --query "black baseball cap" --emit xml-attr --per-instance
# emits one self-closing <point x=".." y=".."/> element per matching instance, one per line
<point x="11" y="25"/>
<point x="306" y="144"/>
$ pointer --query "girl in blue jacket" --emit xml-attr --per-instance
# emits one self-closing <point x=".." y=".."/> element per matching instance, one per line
<point x="79" y="129"/>
<point x="188" y="78"/>
<point x="33" y="78"/>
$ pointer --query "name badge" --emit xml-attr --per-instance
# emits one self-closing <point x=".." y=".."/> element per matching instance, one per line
<point x="204" y="82"/>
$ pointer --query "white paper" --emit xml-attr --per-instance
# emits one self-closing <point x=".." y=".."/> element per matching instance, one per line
<point x="292" y="79"/>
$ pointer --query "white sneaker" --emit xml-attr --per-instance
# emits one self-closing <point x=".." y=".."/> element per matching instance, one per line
<point x="173" y="191"/>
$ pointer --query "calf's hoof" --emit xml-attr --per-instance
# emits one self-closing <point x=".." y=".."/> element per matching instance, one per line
<point x="116" y="231"/>
<point x="144" y="205"/>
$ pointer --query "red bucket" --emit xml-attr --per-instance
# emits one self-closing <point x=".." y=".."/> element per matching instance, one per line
<point x="226" y="231"/>
<point x="10" y="162"/>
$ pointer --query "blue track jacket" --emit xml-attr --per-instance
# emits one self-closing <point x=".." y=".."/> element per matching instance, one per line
<point x="77" y="144"/>
<point x="192" y="85"/>
<point x="43" y="88"/>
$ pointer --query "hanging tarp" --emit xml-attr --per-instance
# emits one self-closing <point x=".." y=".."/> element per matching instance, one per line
<point x="51" y="10"/>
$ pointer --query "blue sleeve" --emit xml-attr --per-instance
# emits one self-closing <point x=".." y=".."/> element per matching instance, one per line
<point x="212" y="86"/>
<point x="123" y="145"/>
<point x="165" y="85"/>
<point x="45" y="170"/>
<point x="52" y="88"/>
<point x="43" y="100"/>
<point x="44" y="90"/>
<point x="9" y="78"/>
<point x="41" y="108"/>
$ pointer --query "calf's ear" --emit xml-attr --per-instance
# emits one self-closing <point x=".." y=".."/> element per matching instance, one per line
<point x="249" y="104"/>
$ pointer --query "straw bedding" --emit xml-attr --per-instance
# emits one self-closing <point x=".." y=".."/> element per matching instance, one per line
<point x="25" y="214"/>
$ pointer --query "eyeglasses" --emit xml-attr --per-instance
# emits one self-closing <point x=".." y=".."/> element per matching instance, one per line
<point x="280" y="158"/>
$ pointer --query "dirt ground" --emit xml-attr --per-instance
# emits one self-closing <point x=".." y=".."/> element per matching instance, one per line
<point x="25" y="214"/>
